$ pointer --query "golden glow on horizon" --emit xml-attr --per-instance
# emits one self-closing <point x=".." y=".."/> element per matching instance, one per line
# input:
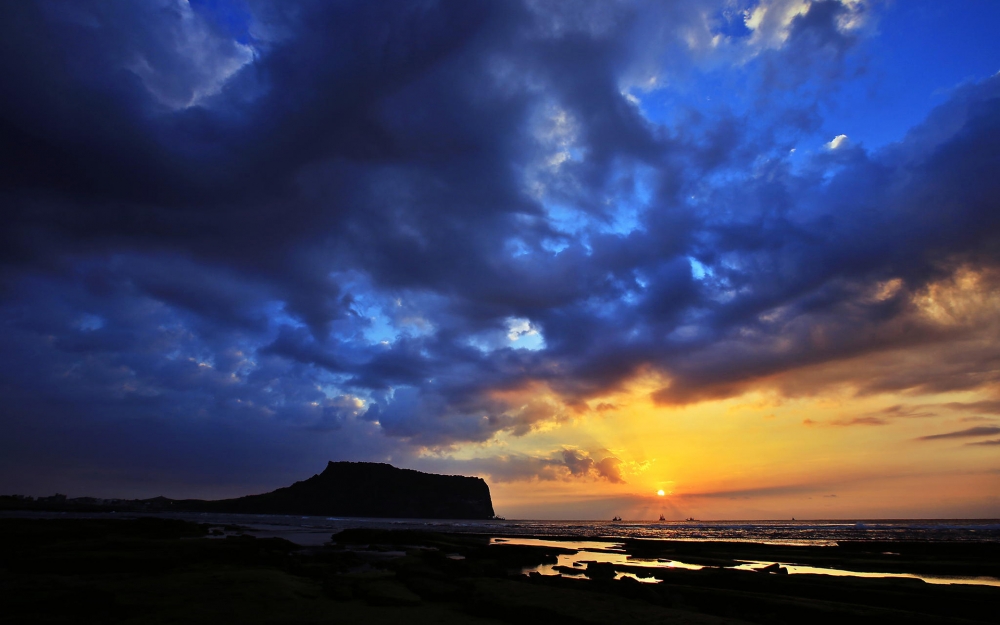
<point x="841" y="438"/>
<point x="761" y="455"/>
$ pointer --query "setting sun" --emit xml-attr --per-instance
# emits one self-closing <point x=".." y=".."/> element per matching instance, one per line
<point x="660" y="493"/>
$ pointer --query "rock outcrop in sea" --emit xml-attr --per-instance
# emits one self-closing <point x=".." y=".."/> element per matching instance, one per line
<point x="343" y="489"/>
<point x="371" y="489"/>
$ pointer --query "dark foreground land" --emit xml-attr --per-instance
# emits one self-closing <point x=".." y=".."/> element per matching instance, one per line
<point x="169" y="571"/>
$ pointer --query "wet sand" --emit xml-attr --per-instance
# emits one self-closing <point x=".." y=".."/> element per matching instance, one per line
<point x="168" y="570"/>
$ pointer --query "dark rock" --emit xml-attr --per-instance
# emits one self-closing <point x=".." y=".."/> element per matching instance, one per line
<point x="367" y="489"/>
<point x="350" y="489"/>
<point x="600" y="570"/>
<point x="569" y="570"/>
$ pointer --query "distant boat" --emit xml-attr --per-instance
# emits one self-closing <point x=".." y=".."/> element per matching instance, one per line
<point x="615" y="519"/>
<point x="690" y="519"/>
<point x="662" y="518"/>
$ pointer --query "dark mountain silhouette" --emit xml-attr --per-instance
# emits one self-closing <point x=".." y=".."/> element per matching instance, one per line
<point x="371" y="489"/>
<point x="350" y="489"/>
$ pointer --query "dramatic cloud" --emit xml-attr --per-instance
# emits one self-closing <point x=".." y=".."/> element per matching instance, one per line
<point x="582" y="465"/>
<point x="254" y="236"/>
<point x="989" y="407"/>
<point x="565" y="465"/>
<point x="995" y="441"/>
<point x="885" y="416"/>
<point x="969" y="433"/>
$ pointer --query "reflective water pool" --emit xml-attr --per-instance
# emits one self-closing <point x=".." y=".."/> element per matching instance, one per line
<point x="614" y="553"/>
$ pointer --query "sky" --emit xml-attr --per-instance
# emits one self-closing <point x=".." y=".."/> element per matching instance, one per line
<point x="743" y="252"/>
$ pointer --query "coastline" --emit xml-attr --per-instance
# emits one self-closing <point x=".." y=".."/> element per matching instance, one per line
<point x="454" y="572"/>
<point x="779" y="531"/>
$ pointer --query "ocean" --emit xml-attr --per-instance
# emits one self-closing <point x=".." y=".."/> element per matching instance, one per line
<point x="597" y="540"/>
<point x="316" y="530"/>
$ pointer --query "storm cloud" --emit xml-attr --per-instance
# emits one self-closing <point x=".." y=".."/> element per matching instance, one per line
<point x="239" y="236"/>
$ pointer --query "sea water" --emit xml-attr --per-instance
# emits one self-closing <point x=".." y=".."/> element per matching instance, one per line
<point x="595" y="540"/>
<point x="316" y="530"/>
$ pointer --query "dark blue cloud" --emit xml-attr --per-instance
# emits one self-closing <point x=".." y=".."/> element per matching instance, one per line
<point x="243" y="236"/>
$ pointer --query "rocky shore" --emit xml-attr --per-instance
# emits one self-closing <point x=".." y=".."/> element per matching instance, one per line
<point x="153" y="570"/>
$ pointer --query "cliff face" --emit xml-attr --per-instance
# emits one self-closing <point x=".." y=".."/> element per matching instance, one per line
<point x="371" y="489"/>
